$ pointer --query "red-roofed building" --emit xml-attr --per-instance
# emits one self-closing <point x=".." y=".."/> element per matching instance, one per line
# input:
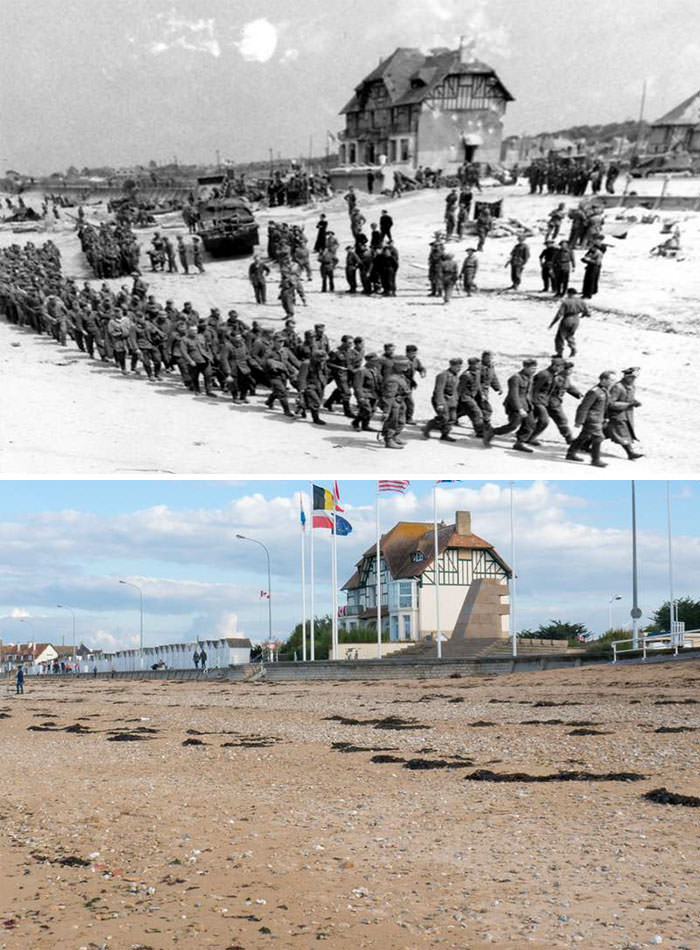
<point x="13" y="655"/>
<point x="436" y="110"/>
<point x="408" y="578"/>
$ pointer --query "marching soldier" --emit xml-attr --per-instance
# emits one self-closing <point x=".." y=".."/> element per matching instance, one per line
<point x="468" y="396"/>
<point x="568" y="317"/>
<point x="257" y="272"/>
<point x="469" y="271"/>
<point x="590" y="417"/>
<point x="444" y="401"/>
<point x="366" y="385"/>
<point x="394" y="391"/>
<point x="518" y="407"/>
<point x="621" y="405"/>
<point x="488" y="381"/>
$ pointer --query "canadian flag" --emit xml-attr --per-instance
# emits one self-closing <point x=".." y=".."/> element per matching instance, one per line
<point x="264" y="593"/>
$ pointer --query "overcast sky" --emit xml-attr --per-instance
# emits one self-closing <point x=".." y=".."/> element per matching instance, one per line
<point x="90" y="82"/>
<point x="70" y="543"/>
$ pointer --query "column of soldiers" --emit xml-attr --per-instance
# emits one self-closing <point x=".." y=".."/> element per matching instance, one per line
<point x="564" y="176"/>
<point x="133" y="330"/>
<point x="111" y="249"/>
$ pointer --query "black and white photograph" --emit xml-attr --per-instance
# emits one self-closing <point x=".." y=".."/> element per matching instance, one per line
<point x="235" y="236"/>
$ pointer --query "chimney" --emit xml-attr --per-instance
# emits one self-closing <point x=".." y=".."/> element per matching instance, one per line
<point x="466" y="51"/>
<point x="464" y="522"/>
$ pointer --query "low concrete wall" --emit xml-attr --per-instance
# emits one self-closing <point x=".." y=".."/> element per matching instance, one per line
<point x="651" y="203"/>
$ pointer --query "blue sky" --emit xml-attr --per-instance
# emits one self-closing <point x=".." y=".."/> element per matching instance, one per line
<point x="172" y="77"/>
<point x="72" y="541"/>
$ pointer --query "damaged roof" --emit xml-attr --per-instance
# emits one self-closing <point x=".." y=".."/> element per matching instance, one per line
<point x="410" y="76"/>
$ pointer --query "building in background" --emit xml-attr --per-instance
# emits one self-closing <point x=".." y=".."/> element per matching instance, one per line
<point x="436" y="110"/>
<point x="467" y="565"/>
<point x="679" y="129"/>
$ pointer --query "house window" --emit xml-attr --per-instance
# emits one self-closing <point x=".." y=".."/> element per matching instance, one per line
<point x="406" y="618"/>
<point x="405" y="594"/>
<point x="343" y="155"/>
<point x="394" y="628"/>
<point x="353" y="154"/>
<point x="405" y="152"/>
<point x="393" y="150"/>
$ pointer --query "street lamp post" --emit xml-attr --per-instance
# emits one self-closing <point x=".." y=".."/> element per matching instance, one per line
<point x="130" y="584"/>
<point x="612" y="600"/>
<point x="64" y="607"/>
<point x="242" y="537"/>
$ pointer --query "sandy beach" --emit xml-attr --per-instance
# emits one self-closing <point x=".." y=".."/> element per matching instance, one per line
<point x="278" y="826"/>
<point x="62" y="413"/>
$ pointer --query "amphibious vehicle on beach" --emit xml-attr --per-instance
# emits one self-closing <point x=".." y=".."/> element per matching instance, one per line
<point x="225" y="222"/>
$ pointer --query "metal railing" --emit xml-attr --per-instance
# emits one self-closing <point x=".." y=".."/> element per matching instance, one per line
<point x="677" y="639"/>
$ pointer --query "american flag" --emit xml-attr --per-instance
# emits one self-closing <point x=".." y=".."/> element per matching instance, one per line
<point x="393" y="486"/>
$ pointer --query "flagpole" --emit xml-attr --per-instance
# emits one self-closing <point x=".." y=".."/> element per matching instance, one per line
<point x="437" y="574"/>
<point x="303" y="578"/>
<point x="334" y="576"/>
<point x="379" y="581"/>
<point x="671" y="602"/>
<point x="312" y="631"/>
<point x="513" y="619"/>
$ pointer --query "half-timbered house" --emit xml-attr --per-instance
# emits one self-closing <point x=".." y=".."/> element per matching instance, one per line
<point x="436" y="110"/>
<point x="407" y="579"/>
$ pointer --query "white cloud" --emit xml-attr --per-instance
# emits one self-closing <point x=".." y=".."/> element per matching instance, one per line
<point x="18" y="612"/>
<point x="258" y="41"/>
<point x="178" y="33"/>
<point x="290" y="56"/>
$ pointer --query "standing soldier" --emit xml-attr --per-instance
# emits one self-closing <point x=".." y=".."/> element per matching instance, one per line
<point x="257" y="272"/>
<point x="394" y="391"/>
<point x="469" y="271"/>
<point x="449" y="275"/>
<point x="328" y="262"/>
<point x="352" y="264"/>
<point x="564" y="263"/>
<point x="278" y="373"/>
<point x="197" y="254"/>
<point x="386" y="223"/>
<point x="484" y="223"/>
<point x="621" y="406"/>
<point x="518" y="407"/>
<point x="594" y="264"/>
<point x="519" y="257"/>
<point x="170" y="254"/>
<point x="437" y="249"/>
<point x="182" y="254"/>
<point x="451" y="203"/>
<point x="591" y="418"/>
<point x="568" y="317"/>
<point x="444" y="401"/>
<point x="547" y="258"/>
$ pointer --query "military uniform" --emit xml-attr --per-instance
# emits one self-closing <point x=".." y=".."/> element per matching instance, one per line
<point x="444" y="401"/>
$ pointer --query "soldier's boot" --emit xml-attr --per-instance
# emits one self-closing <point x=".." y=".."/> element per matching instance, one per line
<point x="270" y="401"/>
<point x="573" y="449"/>
<point x="211" y="394"/>
<point x="356" y="422"/>
<point x="427" y="429"/>
<point x="522" y="447"/>
<point x="391" y="443"/>
<point x="631" y="454"/>
<point x="488" y="436"/>
<point x="328" y="405"/>
<point x="595" y="454"/>
<point x="287" y="411"/>
<point x="347" y="410"/>
<point x="446" y="437"/>
<point x="318" y="421"/>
